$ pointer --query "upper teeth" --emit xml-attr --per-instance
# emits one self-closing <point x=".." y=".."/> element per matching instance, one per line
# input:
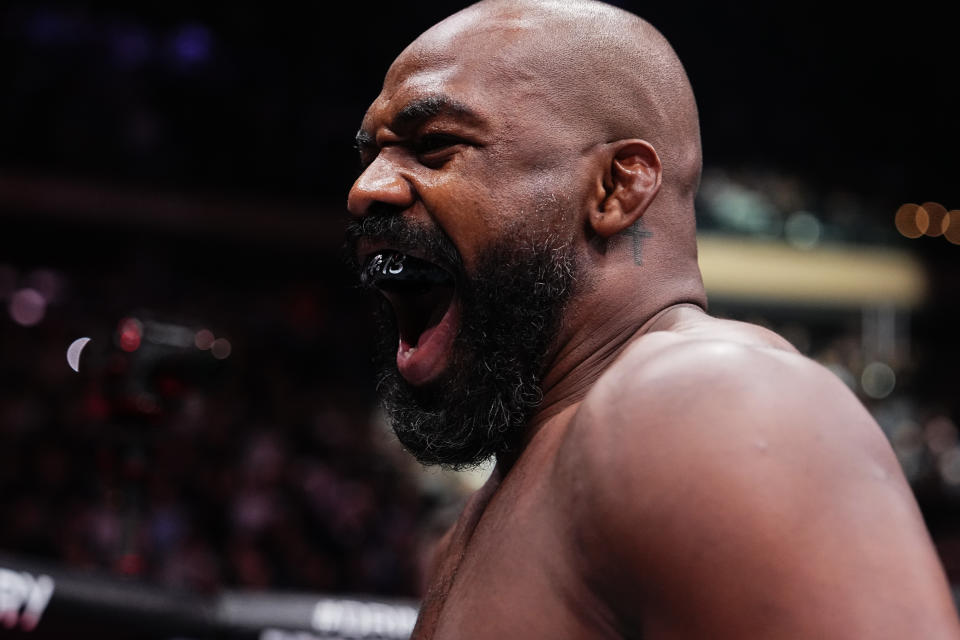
<point x="396" y="267"/>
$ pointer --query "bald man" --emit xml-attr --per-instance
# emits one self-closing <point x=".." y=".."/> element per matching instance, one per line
<point x="526" y="210"/>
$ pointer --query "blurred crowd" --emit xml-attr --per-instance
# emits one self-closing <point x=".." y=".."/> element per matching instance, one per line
<point x="264" y="465"/>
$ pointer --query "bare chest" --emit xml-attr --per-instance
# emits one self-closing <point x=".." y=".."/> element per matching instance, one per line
<point x="509" y="572"/>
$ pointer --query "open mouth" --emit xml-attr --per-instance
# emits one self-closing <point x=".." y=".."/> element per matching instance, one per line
<point x="422" y="296"/>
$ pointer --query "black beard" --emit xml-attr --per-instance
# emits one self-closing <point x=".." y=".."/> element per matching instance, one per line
<point x="510" y="310"/>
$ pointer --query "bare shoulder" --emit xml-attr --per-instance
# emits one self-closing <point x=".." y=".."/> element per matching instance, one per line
<point x="728" y="481"/>
<point x="717" y="381"/>
<point x="717" y="393"/>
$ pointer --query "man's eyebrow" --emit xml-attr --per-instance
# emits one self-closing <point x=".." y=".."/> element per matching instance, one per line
<point x="421" y="109"/>
<point x="417" y="112"/>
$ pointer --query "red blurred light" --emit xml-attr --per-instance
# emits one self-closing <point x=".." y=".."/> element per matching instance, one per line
<point x="129" y="340"/>
<point x="131" y="564"/>
<point x="130" y="334"/>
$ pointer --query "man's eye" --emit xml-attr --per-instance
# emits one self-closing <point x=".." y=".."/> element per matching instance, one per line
<point x="435" y="142"/>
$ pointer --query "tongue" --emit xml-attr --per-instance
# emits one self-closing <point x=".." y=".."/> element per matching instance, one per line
<point x="422" y="357"/>
<point x="422" y="296"/>
<point x="418" y="312"/>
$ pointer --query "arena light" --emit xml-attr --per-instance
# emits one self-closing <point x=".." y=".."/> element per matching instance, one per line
<point x="203" y="339"/>
<point x="929" y="219"/>
<point x="47" y="283"/>
<point x="27" y="307"/>
<point x="191" y="45"/>
<point x="826" y="276"/>
<point x="878" y="380"/>
<point x="74" y="351"/>
<point x="129" y="334"/>
<point x="221" y="348"/>
<point x="803" y="230"/>
<point x="936" y="215"/>
<point x="911" y="220"/>
<point x="170" y="335"/>
<point x="951" y="226"/>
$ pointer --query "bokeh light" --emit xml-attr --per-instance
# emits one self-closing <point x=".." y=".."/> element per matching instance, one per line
<point x="27" y="307"/>
<point x="951" y="226"/>
<point x="936" y="214"/>
<point x="949" y="467"/>
<point x="803" y="230"/>
<point x="129" y="334"/>
<point x="911" y="220"/>
<point x="47" y="282"/>
<point x="191" y="44"/>
<point x="74" y="351"/>
<point x="221" y="348"/>
<point x="878" y="380"/>
<point x="204" y="339"/>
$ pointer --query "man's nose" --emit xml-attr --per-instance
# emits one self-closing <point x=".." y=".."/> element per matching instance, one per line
<point x="382" y="183"/>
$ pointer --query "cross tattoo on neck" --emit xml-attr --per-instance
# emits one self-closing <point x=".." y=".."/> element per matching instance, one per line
<point x="638" y="232"/>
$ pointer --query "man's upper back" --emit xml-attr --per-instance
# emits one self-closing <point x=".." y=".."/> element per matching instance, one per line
<point x="713" y="483"/>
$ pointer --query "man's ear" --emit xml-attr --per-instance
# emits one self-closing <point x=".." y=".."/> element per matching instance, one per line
<point x="631" y="181"/>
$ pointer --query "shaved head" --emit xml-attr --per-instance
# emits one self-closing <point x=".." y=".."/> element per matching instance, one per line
<point x="605" y="73"/>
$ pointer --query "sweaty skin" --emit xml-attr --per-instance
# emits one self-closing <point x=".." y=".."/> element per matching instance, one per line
<point x="684" y="476"/>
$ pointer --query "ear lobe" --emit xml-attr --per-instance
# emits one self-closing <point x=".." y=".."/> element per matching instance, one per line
<point x="631" y="184"/>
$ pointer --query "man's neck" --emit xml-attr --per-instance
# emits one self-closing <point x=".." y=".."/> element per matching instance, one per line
<point x="580" y="361"/>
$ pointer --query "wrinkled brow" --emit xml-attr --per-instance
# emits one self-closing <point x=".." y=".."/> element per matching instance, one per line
<point x="418" y="111"/>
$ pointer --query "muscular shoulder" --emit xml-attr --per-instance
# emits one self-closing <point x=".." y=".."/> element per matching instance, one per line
<point x="728" y="480"/>
<point x="721" y="380"/>
<point x="680" y="406"/>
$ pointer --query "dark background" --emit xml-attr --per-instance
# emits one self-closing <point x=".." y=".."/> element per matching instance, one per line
<point x="265" y="99"/>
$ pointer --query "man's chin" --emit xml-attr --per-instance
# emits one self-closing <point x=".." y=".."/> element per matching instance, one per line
<point x="436" y="421"/>
<point x="459" y="418"/>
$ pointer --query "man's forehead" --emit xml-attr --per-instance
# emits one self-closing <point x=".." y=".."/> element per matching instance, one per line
<point x="499" y="67"/>
<point x="406" y="83"/>
<point x="411" y="91"/>
<point x="460" y="56"/>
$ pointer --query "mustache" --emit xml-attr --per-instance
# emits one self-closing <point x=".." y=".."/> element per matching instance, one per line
<point x="400" y="233"/>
